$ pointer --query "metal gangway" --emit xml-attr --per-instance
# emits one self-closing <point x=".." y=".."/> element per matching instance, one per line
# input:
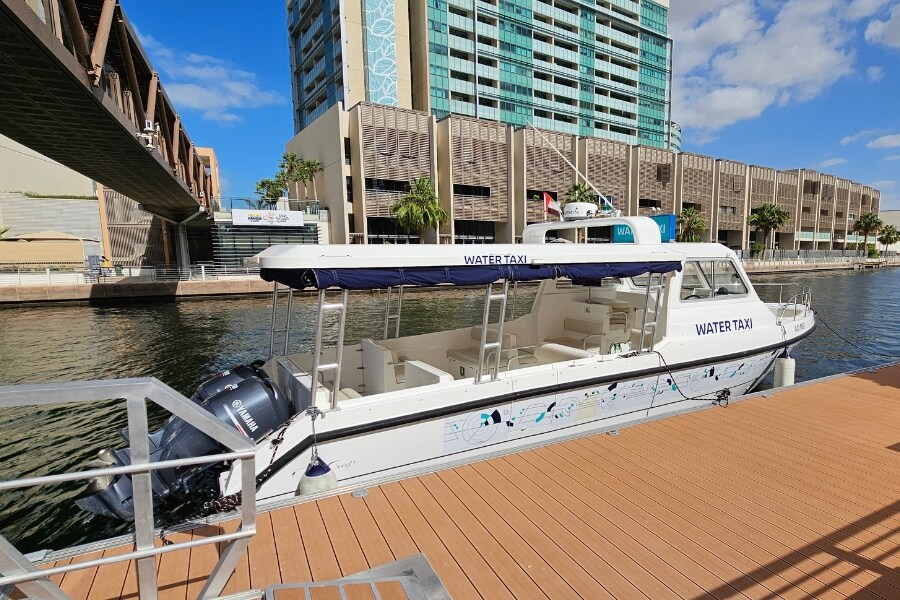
<point x="17" y="571"/>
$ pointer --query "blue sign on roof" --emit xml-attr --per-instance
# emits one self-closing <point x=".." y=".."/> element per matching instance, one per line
<point x="622" y="234"/>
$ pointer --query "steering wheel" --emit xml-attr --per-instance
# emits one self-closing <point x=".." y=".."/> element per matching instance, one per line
<point x="692" y="297"/>
<point x="722" y="291"/>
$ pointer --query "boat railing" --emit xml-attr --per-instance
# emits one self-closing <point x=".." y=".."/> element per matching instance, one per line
<point x="17" y="570"/>
<point x="802" y="298"/>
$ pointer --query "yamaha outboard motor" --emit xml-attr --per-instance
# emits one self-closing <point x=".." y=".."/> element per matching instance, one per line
<point x="243" y="398"/>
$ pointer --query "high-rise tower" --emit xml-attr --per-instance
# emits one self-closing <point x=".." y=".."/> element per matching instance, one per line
<point x="598" y="70"/>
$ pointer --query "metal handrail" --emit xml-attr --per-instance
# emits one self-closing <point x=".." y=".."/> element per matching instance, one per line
<point x="20" y="571"/>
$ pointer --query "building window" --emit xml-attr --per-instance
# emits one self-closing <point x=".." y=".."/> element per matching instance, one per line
<point x="727" y="210"/>
<point x="688" y="205"/>
<point x="346" y="151"/>
<point x="806" y="210"/>
<point x="386" y="185"/>
<point x="823" y="212"/>
<point x="810" y="187"/>
<point x="473" y="232"/>
<point x="349" y="189"/>
<point x="664" y="173"/>
<point x="649" y="203"/>
<point x="471" y="190"/>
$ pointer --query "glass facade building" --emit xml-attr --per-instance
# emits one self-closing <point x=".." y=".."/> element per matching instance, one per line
<point x="599" y="70"/>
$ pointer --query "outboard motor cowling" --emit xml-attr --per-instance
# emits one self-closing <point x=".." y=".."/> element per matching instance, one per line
<point x="243" y="398"/>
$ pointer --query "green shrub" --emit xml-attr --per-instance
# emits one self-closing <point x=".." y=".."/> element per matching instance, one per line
<point x="756" y="249"/>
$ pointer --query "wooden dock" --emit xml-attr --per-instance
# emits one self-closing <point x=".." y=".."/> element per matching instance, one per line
<point x="791" y="496"/>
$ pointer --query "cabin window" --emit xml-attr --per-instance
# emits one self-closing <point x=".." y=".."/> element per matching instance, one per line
<point x="711" y="279"/>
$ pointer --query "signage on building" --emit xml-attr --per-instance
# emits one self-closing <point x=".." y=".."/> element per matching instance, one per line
<point x="267" y="218"/>
<point x="667" y="230"/>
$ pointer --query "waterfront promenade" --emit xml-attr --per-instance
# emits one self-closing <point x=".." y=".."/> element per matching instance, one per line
<point x="791" y="494"/>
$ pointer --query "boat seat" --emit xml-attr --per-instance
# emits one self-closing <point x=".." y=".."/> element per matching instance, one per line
<point x="593" y="327"/>
<point x="552" y="353"/>
<point x="382" y="368"/>
<point x="469" y="355"/>
<point x="348" y="394"/>
<point x="419" y="373"/>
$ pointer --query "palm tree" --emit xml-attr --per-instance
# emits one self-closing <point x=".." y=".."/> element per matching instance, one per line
<point x="419" y="209"/>
<point x="691" y="225"/>
<point x="293" y="168"/>
<point x="889" y="236"/>
<point x="768" y="218"/>
<point x="311" y="168"/>
<point x="866" y="224"/>
<point x="580" y="192"/>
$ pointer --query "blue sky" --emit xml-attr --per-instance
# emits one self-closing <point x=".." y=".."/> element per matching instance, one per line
<point x="787" y="84"/>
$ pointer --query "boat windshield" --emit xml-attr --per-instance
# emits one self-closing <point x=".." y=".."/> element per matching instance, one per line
<point x="710" y="278"/>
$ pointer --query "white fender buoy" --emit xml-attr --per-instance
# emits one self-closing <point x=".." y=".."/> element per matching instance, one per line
<point x="784" y="372"/>
<point x="318" y="477"/>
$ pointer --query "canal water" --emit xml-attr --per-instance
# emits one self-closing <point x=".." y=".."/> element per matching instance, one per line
<point x="183" y="343"/>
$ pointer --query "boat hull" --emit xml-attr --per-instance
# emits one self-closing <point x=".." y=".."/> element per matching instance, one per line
<point x="531" y="416"/>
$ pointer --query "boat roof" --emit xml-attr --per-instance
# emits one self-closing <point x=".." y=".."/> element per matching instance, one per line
<point x="644" y="229"/>
<point x="363" y="267"/>
<point x="360" y="256"/>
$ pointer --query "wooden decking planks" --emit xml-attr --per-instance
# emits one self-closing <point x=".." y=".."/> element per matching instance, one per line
<point x="794" y="496"/>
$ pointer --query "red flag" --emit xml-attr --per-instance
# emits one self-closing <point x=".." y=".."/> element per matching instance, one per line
<point x="551" y="206"/>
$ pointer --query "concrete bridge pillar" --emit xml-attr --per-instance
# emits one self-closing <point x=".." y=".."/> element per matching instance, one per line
<point x="181" y="249"/>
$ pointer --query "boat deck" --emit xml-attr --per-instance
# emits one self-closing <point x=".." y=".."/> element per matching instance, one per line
<point x="791" y="496"/>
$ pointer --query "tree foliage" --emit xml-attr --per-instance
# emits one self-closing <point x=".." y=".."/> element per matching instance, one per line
<point x="419" y="209"/>
<point x="889" y="236"/>
<point x="270" y="190"/>
<point x="3" y="231"/>
<point x="866" y="224"/>
<point x="690" y="225"/>
<point x="299" y="170"/>
<point x="768" y="218"/>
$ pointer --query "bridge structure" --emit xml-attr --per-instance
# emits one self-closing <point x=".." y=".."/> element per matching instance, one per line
<point x="77" y="86"/>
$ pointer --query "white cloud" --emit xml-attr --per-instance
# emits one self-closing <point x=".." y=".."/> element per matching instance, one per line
<point x="861" y="9"/>
<point x="207" y="84"/>
<point x="875" y="73"/>
<point x="859" y="136"/>
<point x="892" y="157"/>
<point x="883" y="184"/>
<point x="886" y="32"/>
<point x="886" y="141"/>
<point x="733" y="59"/>
<point x="832" y="162"/>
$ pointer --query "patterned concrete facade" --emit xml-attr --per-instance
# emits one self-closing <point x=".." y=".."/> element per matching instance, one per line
<point x="488" y="174"/>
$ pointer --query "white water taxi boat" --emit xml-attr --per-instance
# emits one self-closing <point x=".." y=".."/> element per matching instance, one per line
<point x="617" y="333"/>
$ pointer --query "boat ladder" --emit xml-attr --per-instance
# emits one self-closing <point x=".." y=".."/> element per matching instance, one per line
<point x="277" y="329"/>
<point x="317" y="366"/>
<point x="494" y="348"/>
<point x="655" y="291"/>
<point x="388" y="317"/>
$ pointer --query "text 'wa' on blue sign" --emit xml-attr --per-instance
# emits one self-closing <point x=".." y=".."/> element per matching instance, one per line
<point x="622" y="234"/>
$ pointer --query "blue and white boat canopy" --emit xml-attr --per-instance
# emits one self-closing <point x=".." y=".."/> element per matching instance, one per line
<point x="368" y="267"/>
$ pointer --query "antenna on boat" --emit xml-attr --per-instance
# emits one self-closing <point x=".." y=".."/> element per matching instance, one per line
<point x="608" y="210"/>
